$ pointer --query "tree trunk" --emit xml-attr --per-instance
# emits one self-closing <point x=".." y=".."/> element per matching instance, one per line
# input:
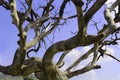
<point x="51" y="73"/>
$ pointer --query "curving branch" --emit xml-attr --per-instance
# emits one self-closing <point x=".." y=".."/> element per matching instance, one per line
<point x="43" y="24"/>
<point x="80" y="18"/>
<point x="76" y="41"/>
<point x="31" y="65"/>
<point x="26" y="68"/>
<point x="69" y="44"/>
<point x="34" y="50"/>
<point x="111" y="24"/>
<point x="61" y="11"/>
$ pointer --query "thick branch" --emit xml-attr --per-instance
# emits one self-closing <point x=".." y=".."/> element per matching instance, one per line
<point x="74" y="42"/>
<point x="80" y="19"/>
<point x="29" y="66"/>
<point x="8" y="70"/>
<point x="83" y="70"/>
<point x="19" y="58"/>
<point x="14" y="12"/>
<point x="96" y="6"/>
<point x="69" y="44"/>
<point x="78" y="3"/>
<point x="62" y="8"/>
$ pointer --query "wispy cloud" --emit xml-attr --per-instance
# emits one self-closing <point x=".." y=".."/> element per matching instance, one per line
<point x="109" y="2"/>
<point x="72" y="56"/>
<point x="118" y="77"/>
<point x="75" y="54"/>
<point x="91" y="75"/>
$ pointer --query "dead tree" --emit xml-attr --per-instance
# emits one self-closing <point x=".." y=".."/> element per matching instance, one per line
<point x="44" y="22"/>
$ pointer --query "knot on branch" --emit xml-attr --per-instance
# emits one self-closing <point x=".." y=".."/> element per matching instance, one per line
<point x="117" y="18"/>
<point x="97" y="67"/>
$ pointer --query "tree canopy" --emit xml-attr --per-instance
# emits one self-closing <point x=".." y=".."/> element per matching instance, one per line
<point x="44" y="17"/>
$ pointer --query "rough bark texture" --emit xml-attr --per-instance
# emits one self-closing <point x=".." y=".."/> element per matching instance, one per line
<point x="44" y="24"/>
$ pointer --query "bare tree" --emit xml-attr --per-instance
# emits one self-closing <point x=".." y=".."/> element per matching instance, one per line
<point x="44" y="22"/>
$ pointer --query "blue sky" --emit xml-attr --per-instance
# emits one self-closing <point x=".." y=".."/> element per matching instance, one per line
<point x="8" y="44"/>
<point x="109" y="67"/>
